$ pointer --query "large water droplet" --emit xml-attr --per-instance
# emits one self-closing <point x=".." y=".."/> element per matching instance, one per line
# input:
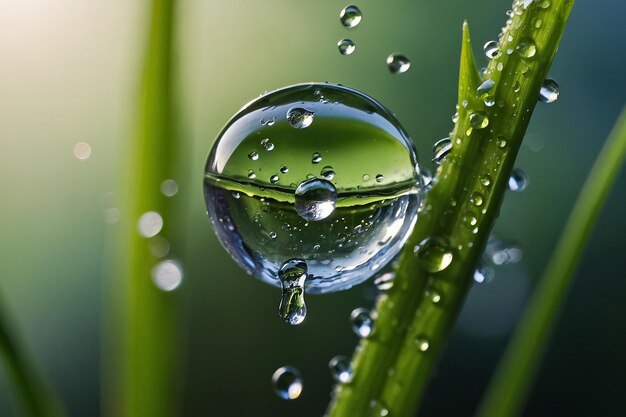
<point x="492" y="50"/>
<point x="362" y="323"/>
<point x="346" y="46"/>
<point x="287" y="382"/>
<point x="549" y="91"/>
<point x="478" y="120"/>
<point x="441" y="149"/>
<point x="315" y="199"/>
<point x="398" y="63"/>
<point x="526" y="48"/>
<point x="354" y="225"/>
<point x="518" y="180"/>
<point x="292" y="274"/>
<point x="434" y="255"/>
<point x="300" y="118"/>
<point x="350" y="16"/>
<point x="340" y="369"/>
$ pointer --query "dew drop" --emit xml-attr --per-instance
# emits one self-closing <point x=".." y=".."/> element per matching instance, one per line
<point x="476" y="199"/>
<point x="292" y="275"/>
<point x="485" y="87"/>
<point x="441" y="149"/>
<point x="380" y="178"/>
<point x="350" y="16"/>
<point x="328" y="173"/>
<point x="432" y="294"/>
<point x="272" y="235"/>
<point x="300" y="118"/>
<point x="492" y="50"/>
<point x="253" y="156"/>
<point x="150" y="224"/>
<point x="362" y="323"/>
<point x="433" y="254"/>
<point x="274" y="179"/>
<point x="422" y="343"/>
<point x="340" y="369"/>
<point x="251" y="174"/>
<point x="287" y="382"/>
<point x="398" y="63"/>
<point x="549" y="91"/>
<point x="316" y="158"/>
<point x="365" y="178"/>
<point x="518" y="180"/>
<point x="485" y="180"/>
<point x="315" y="199"/>
<point x="470" y="220"/>
<point x="526" y="48"/>
<point x="267" y="145"/>
<point x="544" y="4"/>
<point x="478" y="120"/>
<point x="284" y="169"/>
<point x="346" y="46"/>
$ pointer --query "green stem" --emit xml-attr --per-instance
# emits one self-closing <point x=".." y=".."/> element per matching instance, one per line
<point x="36" y="398"/>
<point x="413" y="321"/>
<point x="510" y="385"/>
<point x="143" y="378"/>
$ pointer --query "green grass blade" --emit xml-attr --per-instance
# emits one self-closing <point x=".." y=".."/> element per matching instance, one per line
<point x="35" y="397"/>
<point x="141" y="367"/>
<point x="513" y="378"/>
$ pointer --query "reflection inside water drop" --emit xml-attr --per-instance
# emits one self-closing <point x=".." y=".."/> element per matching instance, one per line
<point x="315" y="199"/>
<point x="287" y="382"/>
<point x="340" y="369"/>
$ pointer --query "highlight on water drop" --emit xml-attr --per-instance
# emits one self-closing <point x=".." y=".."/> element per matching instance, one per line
<point x="340" y="369"/>
<point x="287" y="382"/>
<point x="549" y="91"/>
<point x="362" y="322"/>
<point x="398" y="63"/>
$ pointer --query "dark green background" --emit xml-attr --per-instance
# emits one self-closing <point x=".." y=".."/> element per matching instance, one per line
<point x="68" y="73"/>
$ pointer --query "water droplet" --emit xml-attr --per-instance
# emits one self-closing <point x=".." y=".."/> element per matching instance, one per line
<point x="422" y="343"/>
<point x="150" y="224"/>
<point x="478" y="120"/>
<point x="433" y="254"/>
<point x="350" y="16"/>
<point x="485" y="180"/>
<point x="253" y="156"/>
<point x="268" y="122"/>
<point x="287" y="382"/>
<point x="432" y="294"/>
<point x="284" y="169"/>
<point x="537" y="22"/>
<point x="365" y="178"/>
<point x="483" y="273"/>
<point x="492" y="50"/>
<point x="292" y="275"/>
<point x="398" y="63"/>
<point x="549" y="91"/>
<point x="300" y="118"/>
<point x="274" y="179"/>
<point x="485" y="87"/>
<point x="315" y="199"/>
<point x="82" y="150"/>
<point x="378" y="409"/>
<point x="455" y="117"/>
<point x="516" y="87"/>
<point x="340" y="369"/>
<point x="518" y="180"/>
<point x="470" y="219"/>
<point x="267" y="145"/>
<point x="502" y="141"/>
<point x="441" y="149"/>
<point x="169" y="188"/>
<point x="502" y="252"/>
<point x="544" y="4"/>
<point x="272" y="235"/>
<point x="380" y="178"/>
<point x="384" y="282"/>
<point x="167" y="275"/>
<point x="526" y="48"/>
<point x="489" y="101"/>
<point x="476" y="199"/>
<point x="315" y="219"/>
<point x="346" y="46"/>
<point x="362" y="323"/>
<point x="316" y="158"/>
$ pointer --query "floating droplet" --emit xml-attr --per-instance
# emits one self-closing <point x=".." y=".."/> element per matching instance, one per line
<point x="526" y="48"/>
<point x="478" y="120"/>
<point x="350" y="16"/>
<point x="492" y="49"/>
<point x="315" y="199"/>
<point x="549" y="91"/>
<point x="362" y="322"/>
<point x="422" y="343"/>
<point x="287" y="382"/>
<point x="518" y="180"/>
<point x="300" y="118"/>
<point x="340" y="369"/>
<point x="441" y="149"/>
<point x="433" y="254"/>
<point x="398" y="63"/>
<point x="150" y="224"/>
<point x="346" y="46"/>
<point x="292" y="274"/>
<point x="169" y="188"/>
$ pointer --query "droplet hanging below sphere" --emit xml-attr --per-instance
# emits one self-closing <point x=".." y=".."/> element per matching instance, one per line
<point x="292" y="308"/>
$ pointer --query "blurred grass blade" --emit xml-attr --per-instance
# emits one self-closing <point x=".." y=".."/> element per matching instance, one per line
<point x="142" y="327"/>
<point x="35" y="397"/>
<point x="511" y="383"/>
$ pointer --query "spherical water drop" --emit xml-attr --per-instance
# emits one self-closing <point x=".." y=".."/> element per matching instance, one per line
<point x="150" y="224"/>
<point x="274" y="179"/>
<point x="267" y="145"/>
<point x="518" y="180"/>
<point x="422" y="343"/>
<point x="362" y="323"/>
<point x="350" y="16"/>
<point x="433" y="254"/>
<point x="346" y="46"/>
<point x="476" y="199"/>
<point x="316" y="158"/>
<point x="319" y="219"/>
<point x="549" y="91"/>
<point x="398" y="63"/>
<point x="292" y="274"/>
<point x="526" y="48"/>
<point x="287" y="382"/>
<point x="492" y="50"/>
<point x="328" y="173"/>
<point x="300" y="118"/>
<point x="315" y="199"/>
<point x="441" y="149"/>
<point x="253" y="156"/>
<point x="340" y="369"/>
<point x="485" y="180"/>
<point x="478" y="120"/>
<point x="432" y="294"/>
<point x="284" y="169"/>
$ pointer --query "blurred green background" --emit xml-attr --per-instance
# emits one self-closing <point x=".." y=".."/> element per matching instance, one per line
<point x="69" y="74"/>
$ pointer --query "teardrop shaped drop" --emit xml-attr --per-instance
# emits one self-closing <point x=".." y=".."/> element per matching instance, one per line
<point x="292" y="274"/>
